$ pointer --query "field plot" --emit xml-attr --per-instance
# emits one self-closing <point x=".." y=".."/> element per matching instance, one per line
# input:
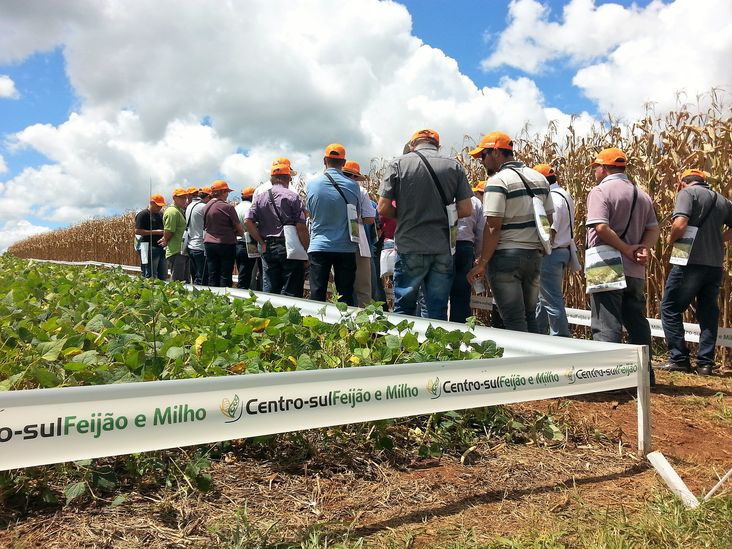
<point x="560" y="473"/>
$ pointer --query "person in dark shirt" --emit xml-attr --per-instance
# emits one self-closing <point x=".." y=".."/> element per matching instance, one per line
<point x="149" y="227"/>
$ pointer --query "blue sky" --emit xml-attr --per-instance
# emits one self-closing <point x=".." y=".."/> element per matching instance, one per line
<point x="95" y="102"/>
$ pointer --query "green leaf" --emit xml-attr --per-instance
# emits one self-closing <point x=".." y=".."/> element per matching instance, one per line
<point x="51" y="349"/>
<point x="9" y="383"/>
<point x="304" y="362"/>
<point x="119" y="500"/>
<point x="311" y="322"/>
<point x="89" y="358"/>
<point x="75" y="490"/>
<point x="393" y="342"/>
<point x="410" y="342"/>
<point x="98" y="323"/>
<point x="174" y="353"/>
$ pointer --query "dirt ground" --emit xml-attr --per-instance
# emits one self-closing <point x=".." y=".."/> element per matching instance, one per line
<point x="501" y="490"/>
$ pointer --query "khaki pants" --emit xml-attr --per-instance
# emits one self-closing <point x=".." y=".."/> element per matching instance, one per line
<point x="362" y="285"/>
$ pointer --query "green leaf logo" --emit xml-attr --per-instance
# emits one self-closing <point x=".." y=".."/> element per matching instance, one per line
<point x="434" y="387"/>
<point x="232" y="409"/>
<point x="570" y="375"/>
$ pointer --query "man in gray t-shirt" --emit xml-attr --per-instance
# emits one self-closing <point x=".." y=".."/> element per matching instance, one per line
<point x="422" y="237"/>
<point x="696" y="206"/>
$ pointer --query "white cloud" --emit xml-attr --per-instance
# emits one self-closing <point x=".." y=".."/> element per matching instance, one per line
<point x="273" y="78"/>
<point x="14" y="231"/>
<point x="3" y="165"/>
<point x="626" y="57"/>
<point x="7" y="88"/>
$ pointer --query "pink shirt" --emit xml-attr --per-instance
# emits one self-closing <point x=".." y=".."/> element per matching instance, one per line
<point x="610" y="202"/>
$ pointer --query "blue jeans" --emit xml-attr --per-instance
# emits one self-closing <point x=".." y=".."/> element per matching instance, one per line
<point x="198" y="266"/>
<point x="683" y="285"/>
<point x="344" y="274"/>
<point x="244" y="266"/>
<point x="281" y="275"/>
<point x="461" y="290"/>
<point x="513" y="276"/>
<point x="551" y="315"/>
<point x="156" y="265"/>
<point x="435" y="270"/>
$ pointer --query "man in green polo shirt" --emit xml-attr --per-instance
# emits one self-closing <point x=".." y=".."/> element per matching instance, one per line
<point x="174" y="224"/>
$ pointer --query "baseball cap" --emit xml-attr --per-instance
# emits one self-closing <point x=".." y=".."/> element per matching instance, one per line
<point x="610" y="157"/>
<point x="492" y="140"/>
<point x="425" y="134"/>
<point x="179" y="191"/>
<point x="479" y="187"/>
<point x="220" y="185"/>
<point x="206" y="190"/>
<point x="283" y="160"/>
<point x="158" y="199"/>
<point x="545" y="169"/>
<point x="192" y="190"/>
<point x="353" y="168"/>
<point x="247" y="191"/>
<point x="335" y="150"/>
<point x="694" y="172"/>
<point x="281" y="169"/>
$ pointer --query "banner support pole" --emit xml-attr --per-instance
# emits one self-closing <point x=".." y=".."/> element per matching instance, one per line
<point x="644" y="402"/>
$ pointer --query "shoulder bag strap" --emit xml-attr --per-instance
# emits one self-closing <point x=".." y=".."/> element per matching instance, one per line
<point x="632" y="209"/>
<point x="277" y="211"/>
<point x="571" y="220"/>
<point x="523" y="180"/>
<point x="205" y="214"/>
<point x="337" y="187"/>
<point x="434" y="178"/>
<point x="710" y="210"/>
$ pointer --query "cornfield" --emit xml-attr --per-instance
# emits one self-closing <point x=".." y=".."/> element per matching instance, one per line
<point x="658" y="147"/>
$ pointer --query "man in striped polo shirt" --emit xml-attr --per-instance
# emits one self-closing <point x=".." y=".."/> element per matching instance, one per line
<point x="512" y="249"/>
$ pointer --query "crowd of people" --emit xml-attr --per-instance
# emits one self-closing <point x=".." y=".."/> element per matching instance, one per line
<point x="441" y="239"/>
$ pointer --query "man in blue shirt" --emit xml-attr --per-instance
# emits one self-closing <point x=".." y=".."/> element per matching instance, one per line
<point x="328" y="197"/>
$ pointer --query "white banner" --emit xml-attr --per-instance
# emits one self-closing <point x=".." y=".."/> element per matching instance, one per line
<point x="46" y="426"/>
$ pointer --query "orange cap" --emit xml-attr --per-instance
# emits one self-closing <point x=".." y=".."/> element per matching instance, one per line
<point x="425" y="134"/>
<point x="283" y="160"/>
<point x="158" y="199"/>
<point x="247" y="192"/>
<point x="492" y="140"/>
<point x="192" y="190"/>
<point x="179" y="191"/>
<point x="545" y="169"/>
<point x="353" y="168"/>
<point x="206" y="190"/>
<point x="220" y="185"/>
<point x="479" y="187"/>
<point x="281" y="169"/>
<point x="693" y="172"/>
<point x="610" y="157"/>
<point x="335" y="150"/>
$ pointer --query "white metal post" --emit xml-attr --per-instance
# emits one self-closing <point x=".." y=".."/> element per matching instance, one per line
<point x="644" y="403"/>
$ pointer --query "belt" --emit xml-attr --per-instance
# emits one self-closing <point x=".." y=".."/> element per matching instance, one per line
<point x="274" y="238"/>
